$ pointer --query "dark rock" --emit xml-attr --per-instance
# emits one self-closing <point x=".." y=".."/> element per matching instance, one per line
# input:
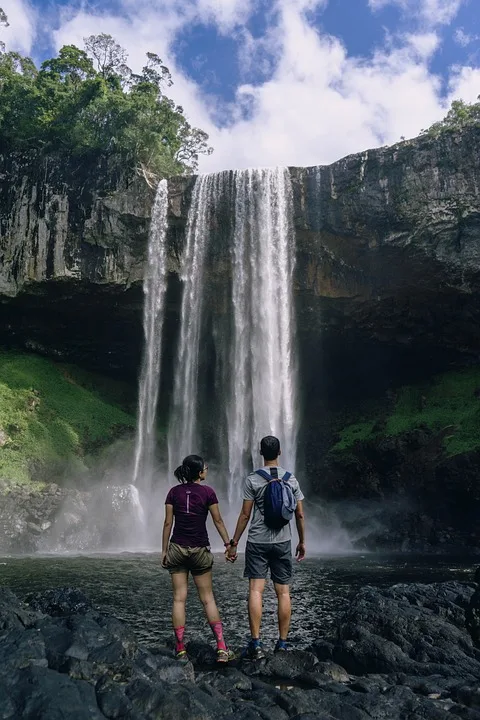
<point x="39" y="693"/>
<point x="290" y="665"/>
<point x="60" y="602"/>
<point x="416" y="629"/>
<point x="15" y="614"/>
<point x="200" y="653"/>
<point x="323" y="649"/>
<point x="96" y="669"/>
<point x="111" y="699"/>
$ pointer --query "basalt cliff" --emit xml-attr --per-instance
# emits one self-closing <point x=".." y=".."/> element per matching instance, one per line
<point x="386" y="291"/>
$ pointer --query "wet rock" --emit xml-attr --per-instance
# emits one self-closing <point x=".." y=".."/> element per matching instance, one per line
<point x="416" y="629"/>
<point x="14" y="613"/>
<point x="60" y="602"/>
<point x="201" y="653"/>
<point x="96" y="669"/>
<point x="290" y="665"/>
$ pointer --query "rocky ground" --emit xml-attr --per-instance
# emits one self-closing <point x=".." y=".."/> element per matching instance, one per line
<point x="400" y="653"/>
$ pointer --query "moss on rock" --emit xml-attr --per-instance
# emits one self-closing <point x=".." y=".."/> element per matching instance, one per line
<point x="54" y="417"/>
<point x="450" y="402"/>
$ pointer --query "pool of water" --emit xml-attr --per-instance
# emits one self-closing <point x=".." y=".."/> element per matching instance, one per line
<point x="135" y="588"/>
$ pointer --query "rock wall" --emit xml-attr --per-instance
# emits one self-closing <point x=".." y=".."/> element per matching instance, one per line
<point x="386" y="281"/>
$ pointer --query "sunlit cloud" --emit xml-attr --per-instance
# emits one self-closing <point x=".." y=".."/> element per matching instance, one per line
<point x="302" y="98"/>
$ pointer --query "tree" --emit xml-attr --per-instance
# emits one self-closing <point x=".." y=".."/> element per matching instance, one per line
<point x="85" y="102"/>
<point x="109" y="56"/>
<point x="460" y="115"/>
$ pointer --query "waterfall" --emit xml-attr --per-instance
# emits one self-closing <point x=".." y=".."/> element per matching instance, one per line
<point x="263" y="388"/>
<point x="183" y="427"/>
<point x="257" y="378"/>
<point x="154" y="288"/>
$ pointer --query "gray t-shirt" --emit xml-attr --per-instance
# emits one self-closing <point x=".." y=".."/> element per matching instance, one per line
<point x="254" y="489"/>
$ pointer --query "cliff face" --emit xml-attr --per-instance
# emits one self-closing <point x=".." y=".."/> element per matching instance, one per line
<point x="73" y="241"/>
<point x="388" y="247"/>
<point x="386" y="280"/>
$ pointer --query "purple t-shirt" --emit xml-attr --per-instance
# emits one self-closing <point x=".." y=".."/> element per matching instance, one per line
<point x="190" y="509"/>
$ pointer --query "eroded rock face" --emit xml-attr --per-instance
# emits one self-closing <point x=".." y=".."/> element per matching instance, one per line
<point x="388" y="252"/>
<point x="386" y="280"/>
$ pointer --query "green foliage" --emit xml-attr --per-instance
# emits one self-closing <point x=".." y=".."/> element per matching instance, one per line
<point x="449" y="401"/>
<point x="353" y="433"/>
<point x="89" y="102"/>
<point x="460" y="115"/>
<point x="49" y="420"/>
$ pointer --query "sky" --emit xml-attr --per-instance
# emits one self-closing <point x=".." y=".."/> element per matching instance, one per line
<point x="282" y="82"/>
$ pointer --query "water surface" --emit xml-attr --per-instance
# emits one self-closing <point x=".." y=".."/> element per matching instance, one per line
<point x="134" y="588"/>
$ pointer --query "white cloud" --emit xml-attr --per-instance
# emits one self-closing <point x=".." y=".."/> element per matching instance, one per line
<point x="312" y="103"/>
<point x="464" y="39"/>
<point x="20" y="33"/>
<point x="226" y="14"/>
<point x="465" y="84"/>
<point x="433" y="12"/>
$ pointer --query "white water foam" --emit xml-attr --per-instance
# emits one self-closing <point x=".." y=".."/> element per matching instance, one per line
<point x="263" y="392"/>
<point x="183" y="428"/>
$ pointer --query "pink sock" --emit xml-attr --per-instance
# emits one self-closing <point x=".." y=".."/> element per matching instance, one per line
<point x="217" y="629"/>
<point x="179" y="633"/>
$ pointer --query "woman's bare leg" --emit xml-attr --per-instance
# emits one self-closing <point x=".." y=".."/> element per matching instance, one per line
<point x="207" y="598"/>
<point x="180" y="590"/>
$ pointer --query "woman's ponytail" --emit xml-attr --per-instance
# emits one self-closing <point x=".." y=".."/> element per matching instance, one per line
<point x="190" y="469"/>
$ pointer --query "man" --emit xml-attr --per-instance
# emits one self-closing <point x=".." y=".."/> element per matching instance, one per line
<point x="268" y="549"/>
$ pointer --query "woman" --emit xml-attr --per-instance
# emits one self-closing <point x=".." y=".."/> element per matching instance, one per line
<point x="189" y="548"/>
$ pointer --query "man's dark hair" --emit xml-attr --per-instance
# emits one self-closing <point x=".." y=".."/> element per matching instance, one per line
<point x="270" y="447"/>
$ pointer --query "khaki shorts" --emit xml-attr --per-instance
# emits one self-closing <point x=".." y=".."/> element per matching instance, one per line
<point x="197" y="560"/>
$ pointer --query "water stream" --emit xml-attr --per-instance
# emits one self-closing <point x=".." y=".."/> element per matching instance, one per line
<point x="154" y="288"/>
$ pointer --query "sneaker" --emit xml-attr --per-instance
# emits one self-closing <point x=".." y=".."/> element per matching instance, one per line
<point x="225" y="656"/>
<point x="281" y="646"/>
<point x="254" y="650"/>
<point x="181" y="656"/>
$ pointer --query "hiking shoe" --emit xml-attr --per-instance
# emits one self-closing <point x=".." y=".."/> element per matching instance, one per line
<point x="254" y="650"/>
<point x="181" y="656"/>
<point x="224" y="656"/>
<point x="281" y="646"/>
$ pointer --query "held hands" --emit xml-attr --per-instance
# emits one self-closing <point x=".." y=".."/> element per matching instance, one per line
<point x="231" y="553"/>
<point x="300" y="552"/>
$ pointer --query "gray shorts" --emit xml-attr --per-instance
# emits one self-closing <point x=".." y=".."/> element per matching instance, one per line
<point x="260" y="557"/>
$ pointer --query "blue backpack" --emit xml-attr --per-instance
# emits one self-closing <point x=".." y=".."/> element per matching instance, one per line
<point x="278" y="500"/>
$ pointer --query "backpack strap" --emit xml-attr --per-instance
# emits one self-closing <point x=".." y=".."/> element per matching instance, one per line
<point x="264" y="474"/>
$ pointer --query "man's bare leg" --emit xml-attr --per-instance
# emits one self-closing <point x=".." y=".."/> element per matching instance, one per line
<point x="284" y="609"/>
<point x="255" y="605"/>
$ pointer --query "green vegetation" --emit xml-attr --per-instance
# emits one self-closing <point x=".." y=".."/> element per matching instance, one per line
<point x="88" y="103"/>
<point x="449" y="401"/>
<point x="52" y="419"/>
<point x="460" y="115"/>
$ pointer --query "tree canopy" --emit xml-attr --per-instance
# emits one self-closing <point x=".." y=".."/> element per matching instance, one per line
<point x="88" y="101"/>
<point x="460" y="115"/>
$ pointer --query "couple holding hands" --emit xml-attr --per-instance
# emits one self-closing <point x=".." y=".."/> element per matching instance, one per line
<point x="275" y="497"/>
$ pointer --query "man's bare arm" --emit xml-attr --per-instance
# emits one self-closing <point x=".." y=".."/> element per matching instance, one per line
<point x="243" y="519"/>
<point x="300" y="523"/>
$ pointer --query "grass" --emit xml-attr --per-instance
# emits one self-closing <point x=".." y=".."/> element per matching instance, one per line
<point x="53" y="418"/>
<point x="448" y="400"/>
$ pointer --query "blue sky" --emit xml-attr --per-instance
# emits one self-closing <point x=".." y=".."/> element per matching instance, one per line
<point x="284" y="81"/>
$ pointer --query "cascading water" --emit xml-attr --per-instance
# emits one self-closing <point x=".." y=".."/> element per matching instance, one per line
<point x="263" y="385"/>
<point x="154" y="291"/>
<point x="183" y="429"/>
<point x="258" y="383"/>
